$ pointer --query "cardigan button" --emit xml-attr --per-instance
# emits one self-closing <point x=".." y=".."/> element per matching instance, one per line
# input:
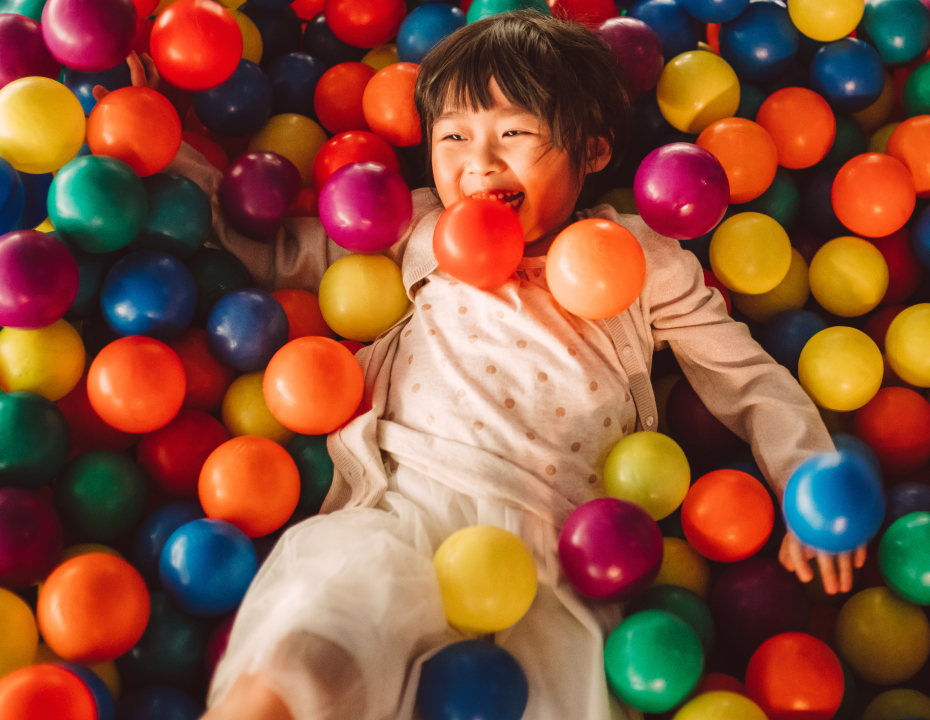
<point x="649" y="421"/>
<point x="627" y="351"/>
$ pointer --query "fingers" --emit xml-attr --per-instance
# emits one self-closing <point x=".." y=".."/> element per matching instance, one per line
<point x="151" y="71"/>
<point x="844" y="563"/>
<point x="828" y="573"/>
<point x="795" y="558"/>
<point x="99" y="92"/>
<point x="136" y="71"/>
<point x="859" y="557"/>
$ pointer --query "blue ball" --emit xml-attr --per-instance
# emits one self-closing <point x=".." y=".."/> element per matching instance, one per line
<point x="35" y="190"/>
<point x="817" y="213"/>
<point x="761" y="43"/>
<point x="148" y="293"/>
<point x="239" y="106"/>
<point x="834" y="502"/>
<point x="321" y="42"/>
<point x="677" y="30"/>
<point x="279" y="28"/>
<point x="159" y="702"/>
<point x="82" y="83"/>
<point x="294" y="78"/>
<point x="179" y="219"/>
<point x="472" y="680"/>
<point x="906" y="498"/>
<point x="154" y="532"/>
<point x="206" y="566"/>
<point x="245" y="328"/>
<point x="848" y="73"/>
<point x="102" y="698"/>
<point x="714" y="11"/>
<point x="12" y="198"/>
<point x="920" y="238"/>
<point x="785" y="335"/>
<point x="845" y="442"/>
<point x="424" y="28"/>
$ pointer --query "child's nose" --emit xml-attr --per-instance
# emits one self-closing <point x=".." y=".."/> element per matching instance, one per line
<point x="486" y="160"/>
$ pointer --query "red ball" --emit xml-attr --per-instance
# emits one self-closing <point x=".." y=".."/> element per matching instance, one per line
<point x="877" y="325"/>
<point x="904" y="270"/>
<point x="212" y="151"/>
<point x="896" y="425"/>
<point x="364" y="23"/>
<point x="589" y="13"/>
<point x="349" y="147"/>
<point x="337" y="99"/>
<point x="699" y="433"/>
<point x="388" y="104"/>
<point x="46" y="692"/>
<point x="207" y="378"/>
<point x="88" y="430"/>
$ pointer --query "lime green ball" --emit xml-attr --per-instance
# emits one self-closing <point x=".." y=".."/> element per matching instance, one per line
<point x="649" y="469"/>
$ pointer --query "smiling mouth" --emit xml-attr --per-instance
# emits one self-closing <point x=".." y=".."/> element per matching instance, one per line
<point x="512" y="199"/>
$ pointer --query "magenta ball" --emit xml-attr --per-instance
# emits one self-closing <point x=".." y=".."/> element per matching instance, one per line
<point x="681" y="191"/>
<point x="30" y="538"/>
<point x="638" y="50"/>
<point x="38" y="279"/>
<point x="256" y="193"/>
<point x="366" y="207"/>
<point x="89" y="35"/>
<point x="22" y="50"/>
<point x="610" y="549"/>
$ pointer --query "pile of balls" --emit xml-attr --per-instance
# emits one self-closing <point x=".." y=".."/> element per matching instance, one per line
<point x="163" y="420"/>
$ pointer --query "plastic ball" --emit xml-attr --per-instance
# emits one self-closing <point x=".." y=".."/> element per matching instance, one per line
<point x="159" y="702"/>
<point x="637" y="49"/>
<point x="682" y="603"/>
<point x="154" y="531"/>
<point x="720" y="705"/>
<point x="93" y="608"/>
<point x="682" y="566"/>
<point x="89" y="35"/>
<point x="760" y="43"/>
<point x="179" y="218"/>
<point x="304" y="317"/>
<point x="256" y="192"/>
<point x="245" y="411"/>
<point x="898" y="703"/>
<point x="196" y="44"/>
<point x="387" y="103"/>
<point x="293" y="136"/>
<point x="23" y="53"/>
<point x="279" y="29"/>
<point x="347" y="148"/>
<point x="41" y="124"/>
<point x="904" y="557"/>
<point x="20" y="636"/>
<point x="906" y="345"/>
<point x="610" y="549"/>
<point x="252" y="46"/>
<point x="899" y="30"/>
<point x="876" y="114"/>
<point x="826" y="21"/>
<point x="46" y="692"/>
<point x="906" y="498"/>
<point x="207" y="378"/>
<point x="727" y="515"/>
<point x="790" y="294"/>
<point x="98" y="203"/>
<point x="136" y="384"/>
<point x="795" y="673"/>
<point x="245" y="328"/>
<point x="785" y="335"/>
<point x="423" y="28"/>
<point x="382" y="56"/>
<point x="801" y="124"/>
<point x="750" y="253"/>
<point x="884" y="639"/>
<point x="904" y="271"/>
<point x="211" y="150"/>
<point x="472" y="679"/>
<point x="320" y="42"/>
<point x="12" y="198"/>
<point x="216" y="273"/>
<point x="840" y="368"/>
<point x="908" y="143"/>
<point x="40" y="279"/>
<point x="48" y="361"/>
<point x="696" y="89"/>
<point x="699" y="433"/>
<point x="848" y="73"/>
<point x="33" y="440"/>
<point x="747" y="153"/>
<point x="653" y="660"/>
<point x="294" y="77"/>
<point x="676" y="29"/>
<point x="240" y="105"/>
<point x="874" y="195"/>
<point x="649" y="469"/>
<point x="361" y="296"/>
<point x="339" y="97"/>
<point x="30" y="543"/>
<point x="316" y="471"/>
<point x="896" y="425"/>
<point x="681" y="190"/>
<point x="834" y="502"/>
<point x="848" y="276"/>
<point x="206" y="567"/>
<point x="915" y="96"/>
<point x="364" y="23"/>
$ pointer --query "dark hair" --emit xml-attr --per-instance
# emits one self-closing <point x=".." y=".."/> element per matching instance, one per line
<point x="563" y="73"/>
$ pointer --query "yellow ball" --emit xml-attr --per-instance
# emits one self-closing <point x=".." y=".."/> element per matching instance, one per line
<point x="849" y="276"/>
<point x="48" y="361"/>
<point x="697" y="89"/>
<point x="683" y="566"/>
<point x="621" y="200"/>
<point x="750" y="253"/>
<point x="361" y="296"/>
<point x="879" y="111"/>
<point x="907" y="345"/>
<point x="649" y="469"/>
<point x="45" y="226"/>
<point x="296" y="137"/>
<point x="790" y="294"/>
<point x="826" y="20"/>
<point x="878" y="143"/>
<point x="720" y="705"/>
<point x="19" y="634"/>
<point x="381" y="56"/>
<point x="245" y="411"/>
<point x="840" y="368"/>
<point x="898" y="704"/>
<point x="884" y="639"/>
<point x="252" y="46"/>
<point x="487" y="578"/>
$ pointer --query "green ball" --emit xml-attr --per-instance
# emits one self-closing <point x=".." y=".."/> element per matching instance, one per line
<point x="916" y="94"/>
<point x="484" y="8"/>
<point x="681" y="603"/>
<point x="850" y="141"/>
<point x="216" y="272"/>
<point x="34" y="440"/>
<point x="100" y="495"/>
<point x="29" y="8"/>
<point x="904" y="557"/>
<point x="316" y="471"/>
<point x="781" y="201"/>
<point x="751" y="98"/>
<point x="179" y="218"/>
<point x="97" y="202"/>
<point x="898" y="29"/>
<point x="653" y="660"/>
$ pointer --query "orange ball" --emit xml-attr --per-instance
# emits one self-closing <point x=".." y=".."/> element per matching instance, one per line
<point x="727" y="515"/>
<point x="801" y="123"/>
<point x="251" y="482"/>
<point x="136" y="125"/>
<point x="338" y="97"/>
<point x="304" y="318"/>
<point x="93" y="608"/>
<point x="46" y="692"/>
<point x="313" y="385"/>
<point x="595" y="268"/>
<point x="747" y="153"/>
<point x="874" y="195"/>
<point x="910" y="143"/>
<point x="136" y="384"/>
<point x="388" y="104"/>
<point x="895" y="423"/>
<point x="349" y="147"/>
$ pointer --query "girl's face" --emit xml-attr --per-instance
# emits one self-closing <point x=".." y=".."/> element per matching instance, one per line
<point x="504" y="153"/>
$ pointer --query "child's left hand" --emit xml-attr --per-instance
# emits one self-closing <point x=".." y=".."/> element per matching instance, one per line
<point x="794" y="556"/>
<point x="142" y="76"/>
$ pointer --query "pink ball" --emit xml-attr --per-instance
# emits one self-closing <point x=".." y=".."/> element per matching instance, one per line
<point x="22" y="50"/>
<point x="30" y="538"/>
<point x="638" y="50"/>
<point x="89" y="35"/>
<point x="38" y="279"/>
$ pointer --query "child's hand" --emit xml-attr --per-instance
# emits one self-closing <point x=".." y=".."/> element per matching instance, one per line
<point x="146" y="76"/>
<point x="794" y="556"/>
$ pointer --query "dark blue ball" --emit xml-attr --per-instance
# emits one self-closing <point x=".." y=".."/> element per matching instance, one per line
<point x="159" y="702"/>
<point x="848" y="73"/>
<point x="677" y="30"/>
<point x="845" y="442"/>
<point x="82" y="83"/>
<point x="321" y="42"/>
<point x="179" y="219"/>
<point x="714" y="11"/>
<point x="424" y="28"/>
<point x="817" y="213"/>
<point x="102" y="698"/>
<point x="154" y="532"/>
<point x="245" y="328"/>
<point x="761" y="43"/>
<point x="239" y="106"/>
<point x="785" y="335"/>
<point x="148" y="293"/>
<point x="12" y="198"/>
<point x="294" y="78"/>
<point x="35" y="191"/>
<point x="472" y="680"/>
<point x="206" y="566"/>
<point x="920" y="238"/>
<point x="906" y="498"/>
<point x="279" y="28"/>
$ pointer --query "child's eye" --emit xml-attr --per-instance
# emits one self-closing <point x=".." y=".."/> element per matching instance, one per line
<point x="513" y="133"/>
<point x="452" y="136"/>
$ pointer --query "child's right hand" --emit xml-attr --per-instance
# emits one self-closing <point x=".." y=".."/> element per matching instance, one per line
<point x="142" y="76"/>
<point x="837" y="576"/>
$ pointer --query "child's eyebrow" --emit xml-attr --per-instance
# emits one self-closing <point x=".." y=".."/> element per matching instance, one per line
<point x="511" y="112"/>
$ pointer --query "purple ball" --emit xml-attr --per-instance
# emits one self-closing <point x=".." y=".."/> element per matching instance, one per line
<point x="257" y="191"/>
<point x="681" y="191"/>
<point x="30" y="538"/>
<point x="38" y="279"/>
<point x="89" y="35"/>
<point x="638" y="50"/>
<point x="610" y="549"/>
<point x="22" y="50"/>
<point x="366" y="207"/>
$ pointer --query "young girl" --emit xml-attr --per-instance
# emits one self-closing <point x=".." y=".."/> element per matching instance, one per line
<point x="491" y="408"/>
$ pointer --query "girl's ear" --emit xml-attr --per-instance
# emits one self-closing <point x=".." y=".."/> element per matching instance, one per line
<point x="599" y="152"/>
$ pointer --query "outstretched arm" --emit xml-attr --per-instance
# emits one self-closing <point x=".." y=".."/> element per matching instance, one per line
<point x="142" y="75"/>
